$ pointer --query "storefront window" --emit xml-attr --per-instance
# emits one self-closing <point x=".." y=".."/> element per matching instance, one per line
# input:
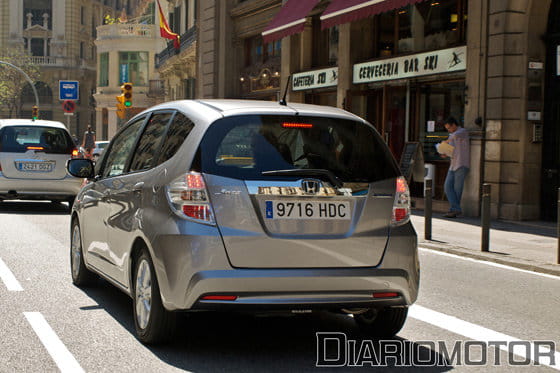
<point x="426" y="25"/>
<point x="103" y="69"/>
<point x="325" y="45"/>
<point x="133" y="67"/>
<point x="256" y="52"/>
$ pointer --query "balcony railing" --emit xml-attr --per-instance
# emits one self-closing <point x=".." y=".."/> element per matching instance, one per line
<point x="125" y="31"/>
<point x="51" y="61"/>
<point x="187" y="39"/>
<point x="55" y="61"/>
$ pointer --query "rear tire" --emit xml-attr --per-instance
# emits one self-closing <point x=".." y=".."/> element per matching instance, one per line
<point x="384" y="323"/>
<point x="81" y="276"/>
<point x="154" y="324"/>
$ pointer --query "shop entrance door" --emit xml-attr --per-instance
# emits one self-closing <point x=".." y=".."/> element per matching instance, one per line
<point x="551" y="131"/>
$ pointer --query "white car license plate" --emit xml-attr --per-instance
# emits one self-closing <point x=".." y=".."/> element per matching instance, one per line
<point x="307" y="210"/>
<point x="44" y="166"/>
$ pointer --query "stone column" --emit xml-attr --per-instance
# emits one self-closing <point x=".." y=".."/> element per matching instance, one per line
<point x="112" y="126"/>
<point x="344" y="64"/>
<point x="16" y="21"/>
<point x="98" y="122"/>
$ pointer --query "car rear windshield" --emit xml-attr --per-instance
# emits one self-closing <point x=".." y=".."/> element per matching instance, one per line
<point x="20" y="139"/>
<point x="243" y="147"/>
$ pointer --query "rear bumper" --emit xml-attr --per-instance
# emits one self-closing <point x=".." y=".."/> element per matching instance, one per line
<point x="190" y="267"/>
<point x="298" y="288"/>
<point x="10" y="188"/>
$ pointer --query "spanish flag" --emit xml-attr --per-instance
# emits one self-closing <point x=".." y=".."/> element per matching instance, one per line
<point x="164" y="29"/>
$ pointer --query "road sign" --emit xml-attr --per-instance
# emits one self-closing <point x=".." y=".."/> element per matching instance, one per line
<point x="68" y="106"/>
<point x="69" y="90"/>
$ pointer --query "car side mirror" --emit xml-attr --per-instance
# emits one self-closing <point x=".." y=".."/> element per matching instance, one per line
<point x="82" y="168"/>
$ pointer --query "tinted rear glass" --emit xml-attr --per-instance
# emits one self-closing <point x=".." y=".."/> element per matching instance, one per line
<point x="19" y="139"/>
<point x="245" y="146"/>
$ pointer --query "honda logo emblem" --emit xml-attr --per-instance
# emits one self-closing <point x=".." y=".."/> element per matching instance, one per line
<point x="311" y="186"/>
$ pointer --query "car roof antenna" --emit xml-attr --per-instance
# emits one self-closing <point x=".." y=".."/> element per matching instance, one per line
<point x="283" y="100"/>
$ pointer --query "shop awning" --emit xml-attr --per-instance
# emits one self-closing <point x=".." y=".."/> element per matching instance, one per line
<point x="289" y="20"/>
<point x="343" y="11"/>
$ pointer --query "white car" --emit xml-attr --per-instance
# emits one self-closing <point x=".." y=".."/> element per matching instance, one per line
<point x="33" y="156"/>
<point x="99" y="146"/>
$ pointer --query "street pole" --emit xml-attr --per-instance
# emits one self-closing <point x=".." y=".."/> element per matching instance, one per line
<point x="427" y="209"/>
<point x="485" y="216"/>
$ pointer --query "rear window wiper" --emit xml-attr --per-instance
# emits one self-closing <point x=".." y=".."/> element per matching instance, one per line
<point x="320" y="173"/>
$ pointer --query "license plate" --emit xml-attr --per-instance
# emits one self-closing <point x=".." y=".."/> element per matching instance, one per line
<point x="308" y="210"/>
<point x="47" y="166"/>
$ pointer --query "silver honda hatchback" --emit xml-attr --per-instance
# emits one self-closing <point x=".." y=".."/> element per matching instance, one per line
<point x="247" y="205"/>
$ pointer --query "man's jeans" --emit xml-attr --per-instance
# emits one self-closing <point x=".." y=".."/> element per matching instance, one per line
<point x="454" y="187"/>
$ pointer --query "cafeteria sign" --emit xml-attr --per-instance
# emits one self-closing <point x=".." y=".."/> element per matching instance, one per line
<point x="435" y="62"/>
<point x="315" y="79"/>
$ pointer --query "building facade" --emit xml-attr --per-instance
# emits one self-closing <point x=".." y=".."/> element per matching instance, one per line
<point x="126" y="53"/>
<point x="59" y="35"/>
<point x="406" y="66"/>
<point x="491" y="64"/>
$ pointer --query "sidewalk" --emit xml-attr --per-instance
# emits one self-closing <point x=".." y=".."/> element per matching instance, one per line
<point x="526" y="245"/>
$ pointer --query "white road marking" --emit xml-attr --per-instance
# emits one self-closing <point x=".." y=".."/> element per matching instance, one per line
<point x="497" y="265"/>
<point x="477" y="333"/>
<point x="58" y="351"/>
<point x="8" y="277"/>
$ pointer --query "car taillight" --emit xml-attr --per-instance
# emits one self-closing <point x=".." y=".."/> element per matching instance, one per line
<point x="401" y="206"/>
<point x="189" y="197"/>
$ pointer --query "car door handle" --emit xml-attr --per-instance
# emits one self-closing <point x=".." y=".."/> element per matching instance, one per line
<point x="138" y="187"/>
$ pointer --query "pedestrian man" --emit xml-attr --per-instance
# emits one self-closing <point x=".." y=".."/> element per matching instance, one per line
<point x="88" y="142"/>
<point x="459" y="166"/>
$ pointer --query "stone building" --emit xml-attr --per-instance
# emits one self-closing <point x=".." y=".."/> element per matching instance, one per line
<point x="60" y="37"/>
<point x="406" y="66"/>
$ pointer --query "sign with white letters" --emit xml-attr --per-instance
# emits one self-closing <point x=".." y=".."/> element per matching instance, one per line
<point x="68" y="90"/>
<point x="315" y="79"/>
<point x="428" y="63"/>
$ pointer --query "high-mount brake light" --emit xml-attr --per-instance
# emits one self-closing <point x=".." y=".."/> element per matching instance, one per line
<point x="35" y="148"/>
<point x="297" y="125"/>
<point x="401" y="206"/>
<point x="189" y="198"/>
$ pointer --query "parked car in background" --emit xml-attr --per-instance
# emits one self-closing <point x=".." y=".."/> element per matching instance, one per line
<point x="247" y="205"/>
<point x="99" y="147"/>
<point x="33" y="156"/>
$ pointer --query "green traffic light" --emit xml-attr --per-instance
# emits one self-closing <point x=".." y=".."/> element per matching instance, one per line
<point x="127" y="103"/>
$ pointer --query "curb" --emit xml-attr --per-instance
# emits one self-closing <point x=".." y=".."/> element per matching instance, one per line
<point x="549" y="269"/>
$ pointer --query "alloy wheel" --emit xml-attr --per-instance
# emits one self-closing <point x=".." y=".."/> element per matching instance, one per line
<point x="143" y="294"/>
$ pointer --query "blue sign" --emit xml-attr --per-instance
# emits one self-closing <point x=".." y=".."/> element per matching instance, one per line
<point x="124" y="73"/>
<point x="69" y="90"/>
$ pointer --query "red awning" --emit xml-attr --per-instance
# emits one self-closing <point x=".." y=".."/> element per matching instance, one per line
<point x="343" y="11"/>
<point x="289" y="20"/>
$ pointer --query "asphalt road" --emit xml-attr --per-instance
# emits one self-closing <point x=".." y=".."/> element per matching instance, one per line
<point x="48" y="325"/>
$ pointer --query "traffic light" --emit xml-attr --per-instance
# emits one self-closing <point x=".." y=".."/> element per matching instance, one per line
<point x="126" y="90"/>
<point x="35" y="112"/>
<point x="121" y="109"/>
